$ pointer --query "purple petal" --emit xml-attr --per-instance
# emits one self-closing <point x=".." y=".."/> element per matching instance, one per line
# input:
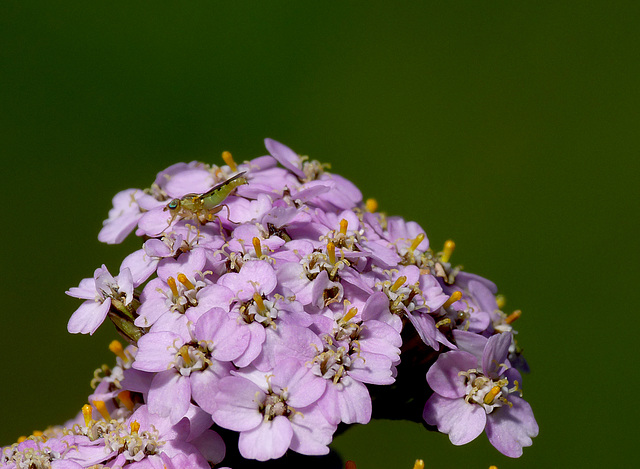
<point x="304" y="387"/>
<point x="154" y="222"/>
<point x="285" y="156"/>
<point x="211" y="445"/>
<point x="269" y="440"/>
<point x="461" y="421"/>
<point x="511" y="428"/>
<point x="254" y="276"/>
<point x="156" y="351"/>
<point x="170" y="395"/>
<point x="463" y="278"/>
<point x="86" y="290"/>
<point x="229" y="338"/>
<point x="372" y="368"/>
<point x="254" y="346"/>
<point x="470" y="342"/>
<point x="141" y="266"/>
<point x="88" y="317"/>
<point x="311" y="431"/>
<point x="211" y="296"/>
<point x="495" y="353"/>
<point x="349" y="401"/>
<point x="443" y="375"/>
<point x="204" y="385"/>
<point x="483" y="296"/>
<point x="190" y="181"/>
<point x="425" y="326"/>
<point x="237" y="402"/>
<point x="188" y="263"/>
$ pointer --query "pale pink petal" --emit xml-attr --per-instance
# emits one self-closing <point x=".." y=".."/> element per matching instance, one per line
<point x="269" y="440"/>
<point x="463" y="422"/>
<point x="511" y="428"/>
<point x="88" y="317"/>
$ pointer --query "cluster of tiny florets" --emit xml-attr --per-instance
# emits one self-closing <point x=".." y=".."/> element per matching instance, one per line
<point x="271" y="300"/>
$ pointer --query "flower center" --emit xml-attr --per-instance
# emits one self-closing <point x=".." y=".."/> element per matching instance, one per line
<point x="193" y="357"/>
<point x="183" y="292"/>
<point x="275" y="405"/>
<point x="486" y="392"/>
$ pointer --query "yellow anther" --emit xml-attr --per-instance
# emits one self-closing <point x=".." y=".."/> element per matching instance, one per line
<point x="135" y="426"/>
<point x="184" y="353"/>
<point x="259" y="303"/>
<point x="491" y="395"/>
<point x="172" y="284"/>
<point x="343" y="226"/>
<point x="513" y="316"/>
<point x="493" y="467"/>
<point x="416" y="242"/>
<point x="37" y="433"/>
<point x="21" y="439"/>
<point x="226" y="156"/>
<point x="455" y="296"/>
<point x="398" y="283"/>
<point x="419" y="464"/>
<point x="449" y="246"/>
<point x="371" y="205"/>
<point x="125" y="398"/>
<point x="257" y="246"/>
<point x="87" y="410"/>
<point x="182" y="278"/>
<point x="501" y="300"/>
<point x="116" y="347"/>
<point x="347" y="317"/>
<point x="331" y="251"/>
<point x="102" y="408"/>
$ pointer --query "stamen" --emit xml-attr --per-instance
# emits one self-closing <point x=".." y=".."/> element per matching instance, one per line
<point x="455" y="296"/>
<point x="419" y="464"/>
<point x="135" y="426"/>
<point x="493" y="467"/>
<point x="331" y="251"/>
<point x="37" y="433"/>
<point x="87" y="410"/>
<point x="259" y="303"/>
<point x="416" y="242"/>
<point x="226" y="156"/>
<point x="449" y="246"/>
<point x="125" y="398"/>
<point x="491" y="395"/>
<point x="182" y="278"/>
<point x="444" y="322"/>
<point x="23" y="438"/>
<point x="102" y="408"/>
<point x="398" y="283"/>
<point x="347" y="317"/>
<point x="371" y="205"/>
<point x="350" y="465"/>
<point x="513" y="316"/>
<point x="501" y="300"/>
<point x="172" y="284"/>
<point x="116" y="348"/>
<point x="257" y="246"/>
<point x="343" y="226"/>
<point x="184" y="353"/>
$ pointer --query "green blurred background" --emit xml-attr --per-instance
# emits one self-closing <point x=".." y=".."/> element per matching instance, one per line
<point x="511" y="127"/>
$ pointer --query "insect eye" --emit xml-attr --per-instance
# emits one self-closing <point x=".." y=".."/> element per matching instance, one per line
<point x="173" y="204"/>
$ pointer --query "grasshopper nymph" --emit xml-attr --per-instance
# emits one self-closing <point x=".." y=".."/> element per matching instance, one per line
<point x="203" y="207"/>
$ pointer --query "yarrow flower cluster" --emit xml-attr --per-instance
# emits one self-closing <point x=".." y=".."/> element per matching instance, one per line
<point x="269" y="301"/>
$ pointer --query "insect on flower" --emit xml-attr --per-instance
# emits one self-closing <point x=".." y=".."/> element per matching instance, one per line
<point x="203" y="207"/>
